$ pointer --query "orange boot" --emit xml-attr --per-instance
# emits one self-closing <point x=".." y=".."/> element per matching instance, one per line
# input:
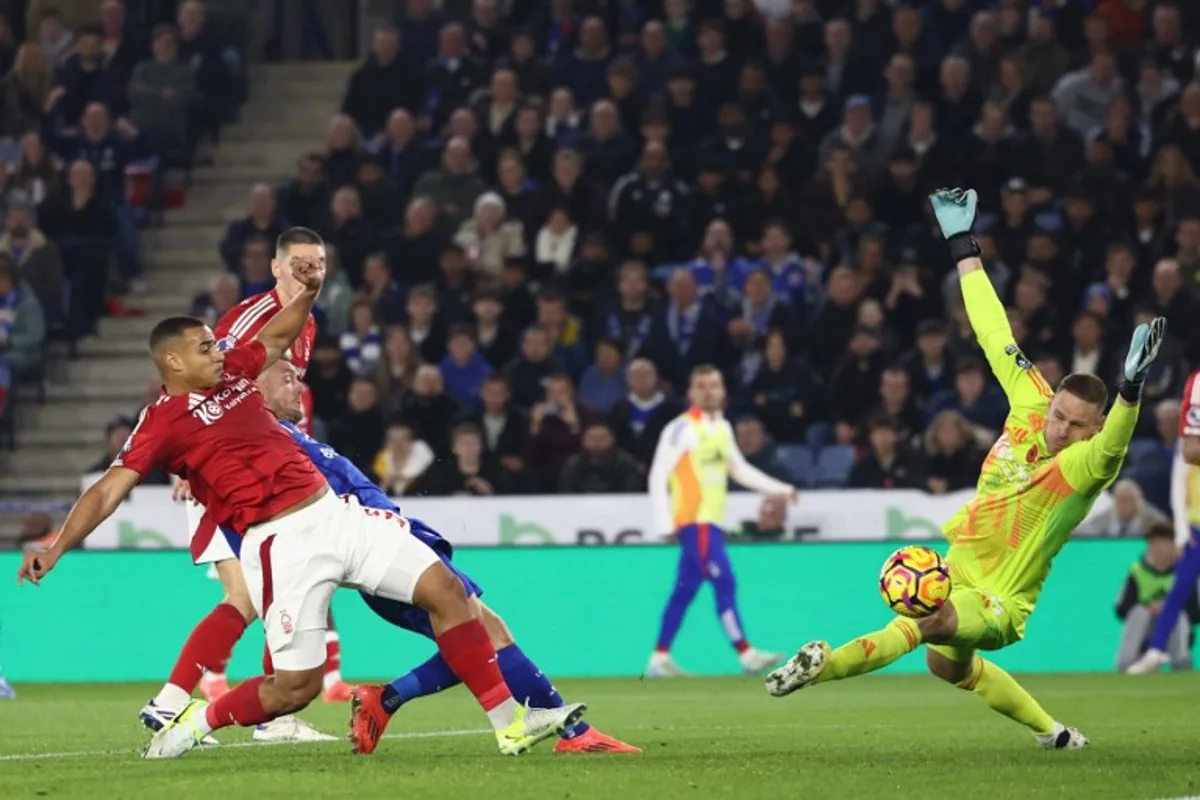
<point x="593" y="741"/>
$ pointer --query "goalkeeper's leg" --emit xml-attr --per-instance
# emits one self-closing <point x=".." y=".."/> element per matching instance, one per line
<point x="991" y="684"/>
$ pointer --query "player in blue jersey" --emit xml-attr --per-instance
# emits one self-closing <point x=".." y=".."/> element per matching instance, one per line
<point x="373" y="706"/>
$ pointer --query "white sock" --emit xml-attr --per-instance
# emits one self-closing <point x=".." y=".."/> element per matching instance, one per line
<point x="201" y="721"/>
<point x="332" y="677"/>
<point x="171" y="697"/>
<point x="503" y="715"/>
<point x="213" y="676"/>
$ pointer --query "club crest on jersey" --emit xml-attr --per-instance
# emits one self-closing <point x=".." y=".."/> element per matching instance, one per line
<point x="226" y="344"/>
<point x="1193" y="417"/>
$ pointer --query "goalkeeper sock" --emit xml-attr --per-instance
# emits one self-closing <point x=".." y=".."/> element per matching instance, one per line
<point x="997" y="688"/>
<point x="873" y="651"/>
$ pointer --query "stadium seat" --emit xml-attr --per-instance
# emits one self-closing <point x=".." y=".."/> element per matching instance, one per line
<point x="833" y="465"/>
<point x="818" y="435"/>
<point x="800" y="462"/>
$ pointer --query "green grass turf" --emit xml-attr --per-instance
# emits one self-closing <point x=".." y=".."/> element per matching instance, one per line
<point x="887" y="736"/>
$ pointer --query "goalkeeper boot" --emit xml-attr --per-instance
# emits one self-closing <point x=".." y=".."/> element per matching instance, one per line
<point x="1063" y="738"/>
<point x="755" y="661"/>
<point x="1151" y="661"/>
<point x="661" y="665"/>
<point x="368" y="718"/>
<point x="181" y="734"/>
<point x="800" y="670"/>
<point x="532" y="725"/>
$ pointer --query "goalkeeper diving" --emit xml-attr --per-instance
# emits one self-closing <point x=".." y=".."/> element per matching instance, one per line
<point x="1057" y="453"/>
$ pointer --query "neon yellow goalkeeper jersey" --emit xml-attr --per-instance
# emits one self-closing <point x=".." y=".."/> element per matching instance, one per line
<point x="1027" y="502"/>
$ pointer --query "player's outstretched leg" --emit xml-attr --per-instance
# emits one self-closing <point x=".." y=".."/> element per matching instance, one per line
<point x="1187" y="572"/>
<point x="720" y="572"/>
<point x="688" y="579"/>
<point x="815" y="663"/>
<point x="1001" y="692"/>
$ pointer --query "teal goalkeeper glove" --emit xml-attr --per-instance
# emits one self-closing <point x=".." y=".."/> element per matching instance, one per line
<point x="955" y="212"/>
<point x="1143" y="349"/>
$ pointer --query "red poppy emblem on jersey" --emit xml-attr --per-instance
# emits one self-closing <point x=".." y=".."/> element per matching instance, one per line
<point x="285" y="622"/>
<point x="1032" y="455"/>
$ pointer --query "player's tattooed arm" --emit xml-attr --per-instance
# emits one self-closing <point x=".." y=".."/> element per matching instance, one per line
<point x="93" y="507"/>
<point x="278" y="334"/>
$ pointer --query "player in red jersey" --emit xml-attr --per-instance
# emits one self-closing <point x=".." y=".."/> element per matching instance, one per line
<point x="208" y="647"/>
<point x="300" y="541"/>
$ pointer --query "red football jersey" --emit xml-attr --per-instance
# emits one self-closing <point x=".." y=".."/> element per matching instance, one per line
<point x="241" y="464"/>
<point x="1189" y="414"/>
<point x="242" y="322"/>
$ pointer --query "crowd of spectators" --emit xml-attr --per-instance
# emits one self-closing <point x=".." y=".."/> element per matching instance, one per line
<point x="544" y="215"/>
<point x="77" y="109"/>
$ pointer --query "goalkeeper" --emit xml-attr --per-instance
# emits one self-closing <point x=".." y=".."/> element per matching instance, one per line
<point x="1058" y="452"/>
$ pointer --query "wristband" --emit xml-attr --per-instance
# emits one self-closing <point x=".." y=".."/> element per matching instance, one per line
<point x="1131" y="391"/>
<point x="963" y="245"/>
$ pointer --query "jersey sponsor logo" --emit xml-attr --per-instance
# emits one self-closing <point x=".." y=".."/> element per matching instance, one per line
<point x="213" y="408"/>
<point x="328" y="452"/>
<point x="1018" y="356"/>
<point x="226" y="344"/>
<point x="209" y="412"/>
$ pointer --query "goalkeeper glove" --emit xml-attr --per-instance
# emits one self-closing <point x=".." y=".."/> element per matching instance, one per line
<point x="955" y="212"/>
<point x="1143" y="349"/>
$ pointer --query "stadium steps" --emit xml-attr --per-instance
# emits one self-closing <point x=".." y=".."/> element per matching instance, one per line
<point x="288" y="116"/>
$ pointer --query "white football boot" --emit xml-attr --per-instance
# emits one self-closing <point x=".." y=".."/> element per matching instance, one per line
<point x="155" y="717"/>
<point x="755" y="661"/>
<point x="1151" y="661"/>
<point x="661" y="665"/>
<point x="289" y="728"/>
<point x="1063" y="738"/>
<point x="800" y="670"/>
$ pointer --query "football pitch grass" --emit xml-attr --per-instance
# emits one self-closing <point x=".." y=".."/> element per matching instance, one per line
<point x="893" y="736"/>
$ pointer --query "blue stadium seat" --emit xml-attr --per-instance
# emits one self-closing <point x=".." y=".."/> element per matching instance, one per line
<point x="833" y="465"/>
<point x="799" y="460"/>
<point x="818" y="435"/>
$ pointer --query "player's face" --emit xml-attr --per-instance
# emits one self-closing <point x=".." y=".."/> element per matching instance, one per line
<point x="707" y="392"/>
<point x="1072" y="419"/>
<point x="285" y="260"/>
<point x="194" y="357"/>
<point x="283" y="390"/>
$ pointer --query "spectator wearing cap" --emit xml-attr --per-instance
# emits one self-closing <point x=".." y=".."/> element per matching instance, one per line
<point x="464" y="369"/>
<point x="952" y="456"/>
<point x="1083" y="235"/>
<point x="857" y="133"/>
<point x="584" y="70"/>
<point x="386" y="80"/>
<point x="304" y="200"/>
<point x="488" y="238"/>
<point x="449" y="78"/>
<point x="686" y="333"/>
<point x="780" y="391"/>
<point x="116" y="434"/>
<point x="983" y="405"/>
<point x="36" y="258"/>
<point x="455" y="186"/>
<point x="931" y="365"/>
<point x="1016" y="222"/>
<point x="601" y="467"/>
<point x="162" y="94"/>
<point x="262" y="220"/>
<point x="889" y="463"/>
<point x="1083" y="96"/>
<point x="603" y="382"/>
<point x="382" y="289"/>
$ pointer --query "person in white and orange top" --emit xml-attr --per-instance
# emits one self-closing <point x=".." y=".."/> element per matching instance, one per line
<point x="695" y="458"/>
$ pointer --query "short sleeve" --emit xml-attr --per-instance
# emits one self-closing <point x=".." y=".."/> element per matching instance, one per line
<point x="246" y="360"/>
<point x="143" y="450"/>
<point x="1189" y="413"/>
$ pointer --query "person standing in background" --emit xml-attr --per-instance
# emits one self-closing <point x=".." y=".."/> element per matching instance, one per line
<point x="1142" y="603"/>
<point x="696" y="456"/>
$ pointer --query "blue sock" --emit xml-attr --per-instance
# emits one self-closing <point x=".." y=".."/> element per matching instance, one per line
<point x="529" y="684"/>
<point x="429" y="678"/>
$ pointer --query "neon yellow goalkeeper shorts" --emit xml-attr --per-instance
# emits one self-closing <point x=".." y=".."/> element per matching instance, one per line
<point x="986" y="621"/>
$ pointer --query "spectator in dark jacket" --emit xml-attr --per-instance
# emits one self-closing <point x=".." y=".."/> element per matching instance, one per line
<point x="556" y="428"/>
<point x="640" y="417"/>
<point x="329" y="379"/>
<point x="759" y="449"/>
<point x="450" y="78"/>
<point x="528" y="373"/>
<point x="889" y="464"/>
<point x="686" y="333"/>
<point x="429" y="410"/>
<point x="304" y="200"/>
<point x="505" y="428"/>
<point x="399" y="149"/>
<point x="161" y="94"/>
<point x="37" y="258"/>
<point x="262" y="220"/>
<point x="952" y="456"/>
<point x="584" y="70"/>
<point x="602" y="468"/>
<point x="358" y="432"/>
<point x="386" y="80"/>
<point x="86" y="79"/>
<point x="469" y="470"/>
<point x="219" y="87"/>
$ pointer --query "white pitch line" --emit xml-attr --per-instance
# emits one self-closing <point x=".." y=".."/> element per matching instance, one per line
<point x="84" y="753"/>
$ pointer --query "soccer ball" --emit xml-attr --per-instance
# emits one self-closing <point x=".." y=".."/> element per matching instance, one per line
<point x="914" y="581"/>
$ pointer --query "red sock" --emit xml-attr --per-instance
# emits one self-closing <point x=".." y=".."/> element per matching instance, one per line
<point x="240" y="706"/>
<point x="470" y="655"/>
<point x="333" y="652"/>
<point x="208" y="647"/>
<point x="268" y="664"/>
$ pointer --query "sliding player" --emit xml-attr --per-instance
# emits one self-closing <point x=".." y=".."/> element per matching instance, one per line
<point x="1185" y="507"/>
<point x="1058" y="452"/>
<point x="212" y="427"/>
<point x="374" y="705"/>
<point x="695" y="458"/>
